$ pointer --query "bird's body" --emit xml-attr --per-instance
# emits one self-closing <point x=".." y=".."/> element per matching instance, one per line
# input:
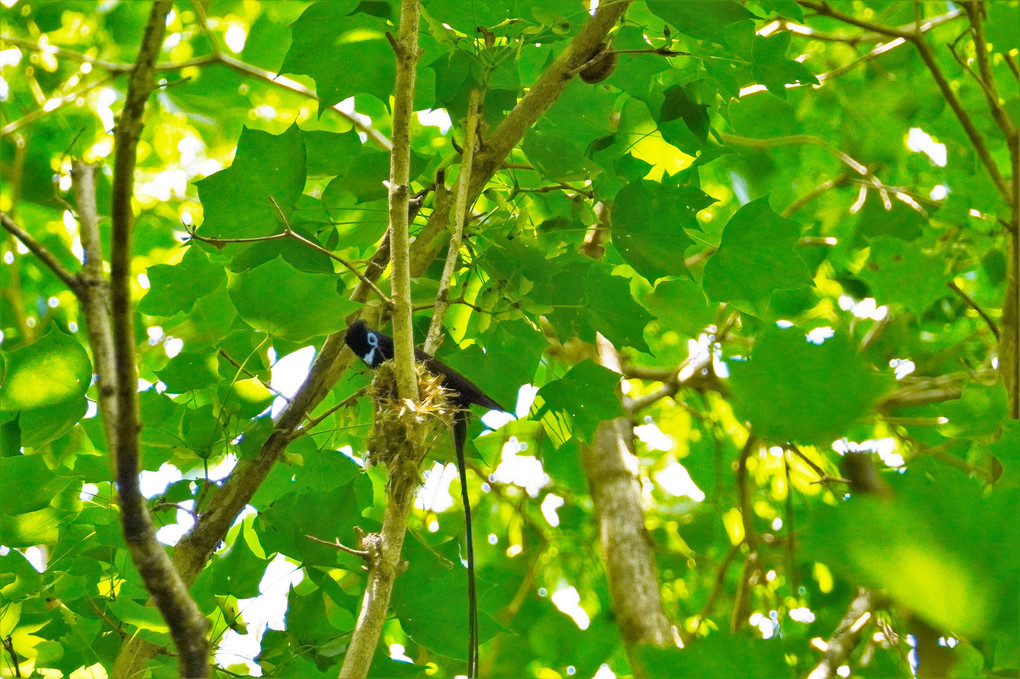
<point x="375" y="348"/>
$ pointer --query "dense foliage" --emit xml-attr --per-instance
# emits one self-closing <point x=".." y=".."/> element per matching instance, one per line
<point x="775" y="239"/>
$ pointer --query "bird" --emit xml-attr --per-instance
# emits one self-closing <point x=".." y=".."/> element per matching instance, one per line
<point x="375" y="348"/>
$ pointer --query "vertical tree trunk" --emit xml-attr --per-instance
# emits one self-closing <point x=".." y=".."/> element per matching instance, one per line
<point x="611" y="469"/>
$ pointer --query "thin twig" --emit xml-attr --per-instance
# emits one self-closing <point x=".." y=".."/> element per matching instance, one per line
<point x="717" y="587"/>
<point x="873" y="36"/>
<point x="916" y="37"/>
<point x="52" y="105"/>
<point x="336" y="544"/>
<point x="975" y="306"/>
<point x="318" y="248"/>
<point x="987" y="77"/>
<point x="837" y="181"/>
<point x="289" y="232"/>
<point x="44" y="255"/>
<point x="823" y="8"/>
<point x="457" y="233"/>
<point x="268" y="387"/>
<point x="877" y="51"/>
<point x="209" y="60"/>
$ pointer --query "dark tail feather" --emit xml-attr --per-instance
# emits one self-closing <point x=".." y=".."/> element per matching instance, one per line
<point x="459" y="437"/>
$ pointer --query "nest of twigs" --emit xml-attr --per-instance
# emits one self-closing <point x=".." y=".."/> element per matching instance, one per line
<point x="403" y="433"/>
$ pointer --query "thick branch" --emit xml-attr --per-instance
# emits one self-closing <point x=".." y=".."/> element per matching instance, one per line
<point x="44" y="255"/>
<point x="630" y="564"/>
<point x="406" y="48"/>
<point x="385" y="564"/>
<point x="545" y="91"/>
<point x="187" y="625"/>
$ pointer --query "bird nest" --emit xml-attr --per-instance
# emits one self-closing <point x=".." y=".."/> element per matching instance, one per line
<point x="403" y="433"/>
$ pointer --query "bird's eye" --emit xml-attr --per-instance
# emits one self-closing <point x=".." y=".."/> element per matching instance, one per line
<point x="373" y="340"/>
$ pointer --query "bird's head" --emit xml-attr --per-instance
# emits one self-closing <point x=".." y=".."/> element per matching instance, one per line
<point x="364" y="342"/>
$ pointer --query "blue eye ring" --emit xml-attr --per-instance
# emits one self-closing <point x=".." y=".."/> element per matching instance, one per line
<point x="373" y="340"/>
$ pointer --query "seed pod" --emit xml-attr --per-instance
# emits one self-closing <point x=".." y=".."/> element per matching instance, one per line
<point x="600" y="66"/>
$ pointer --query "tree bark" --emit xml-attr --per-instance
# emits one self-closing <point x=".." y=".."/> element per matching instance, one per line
<point x="611" y="468"/>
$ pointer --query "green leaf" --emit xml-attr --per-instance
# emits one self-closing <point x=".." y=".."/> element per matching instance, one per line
<point x="10" y="436"/>
<point x="202" y="430"/>
<point x="433" y="589"/>
<point x="238" y="572"/>
<point x="756" y="257"/>
<point x="236" y="200"/>
<point x="512" y="345"/>
<point x="246" y="398"/>
<point x="703" y="20"/>
<point x="793" y="390"/>
<point x="364" y="179"/>
<point x="898" y="220"/>
<point x="175" y="288"/>
<point x="52" y="370"/>
<point x="589" y="299"/>
<point x="681" y="306"/>
<point x="786" y="8"/>
<point x="344" y="53"/>
<point x="773" y="69"/>
<point x="330" y="153"/>
<point x="720" y="654"/>
<point x="979" y="411"/>
<point x="898" y="272"/>
<point x="189" y="371"/>
<point x="1007" y="451"/>
<point x="40" y="527"/>
<point x="1002" y="15"/>
<point x="648" y="226"/>
<point x="557" y="157"/>
<point x="683" y="122"/>
<point x="312" y="307"/>
<point x="586" y="396"/>
<point x="936" y="544"/>
<point x="27" y="484"/>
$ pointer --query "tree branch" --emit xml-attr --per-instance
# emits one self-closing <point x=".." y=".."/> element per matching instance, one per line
<point x="457" y="232"/>
<point x="974" y="305"/>
<point x="52" y="105"/>
<point x="629" y="562"/>
<point x="95" y="300"/>
<point x="44" y="255"/>
<point x="916" y="37"/>
<point x="187" y="625"/>
<point x="407" y="52"/>
<point x="823" y="8"/>
<point x="844" y="640"/>
<point x="385" y="563"/>
<point x="218" y="57"/>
